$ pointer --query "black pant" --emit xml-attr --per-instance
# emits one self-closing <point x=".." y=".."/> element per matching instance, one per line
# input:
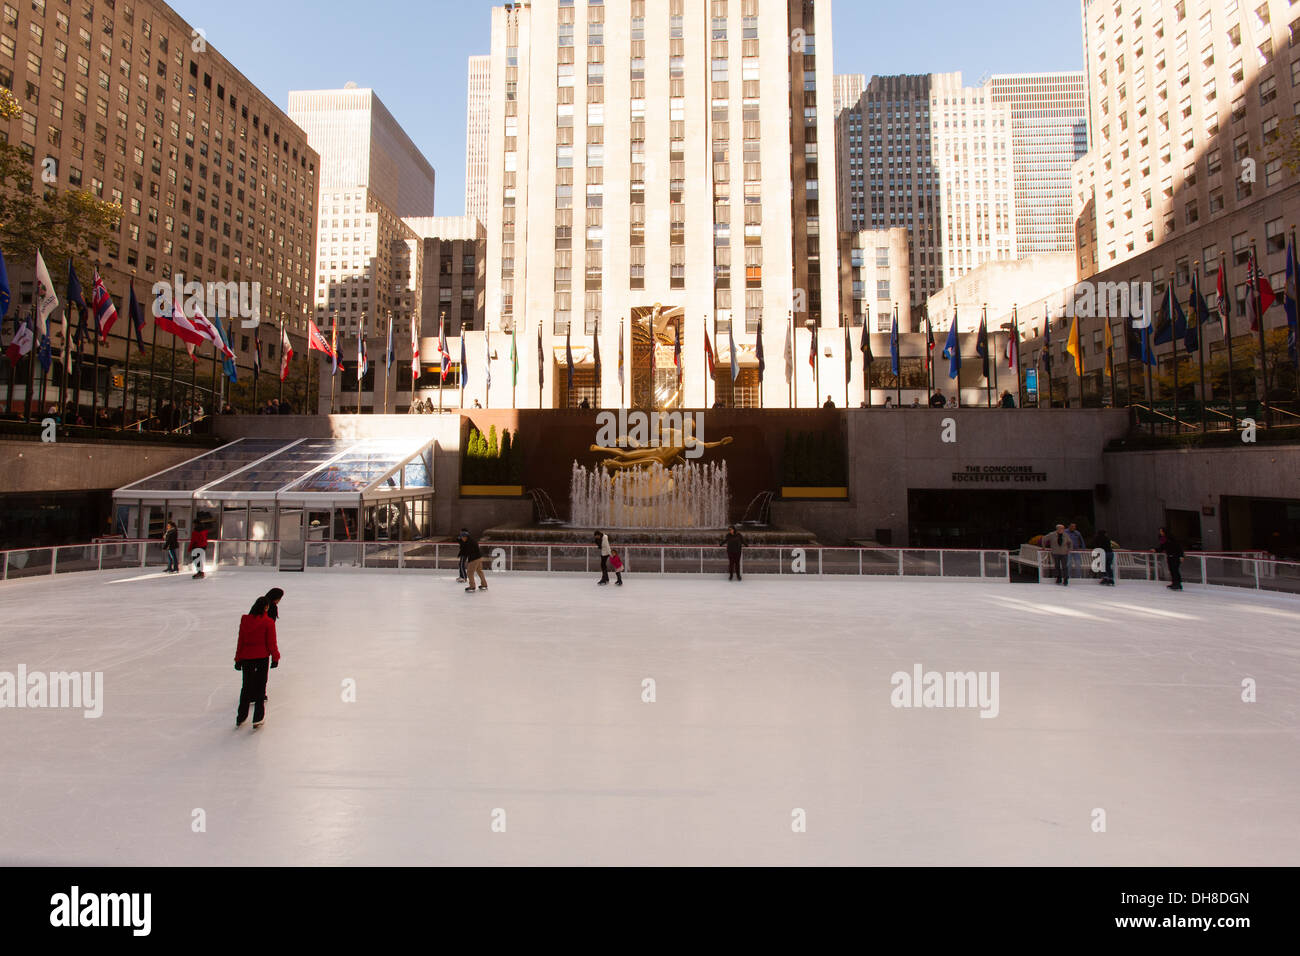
<point x="464" y="562"/>
<point x="733" y="564"/>
<point x="254" y="689"/>
<point x="1175" y="562"/>
<point x="1062" y="562"/>
<point x="1109" y="573"/>
<point x="604" y="569"/>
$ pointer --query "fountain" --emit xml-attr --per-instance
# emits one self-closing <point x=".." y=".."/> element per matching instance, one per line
<point x="688" y="496"/>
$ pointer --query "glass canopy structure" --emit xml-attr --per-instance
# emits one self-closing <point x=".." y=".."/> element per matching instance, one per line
<point x="255" y="492"/>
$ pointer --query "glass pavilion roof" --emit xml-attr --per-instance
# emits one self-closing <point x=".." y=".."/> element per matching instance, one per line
<point x="287" y="469"/>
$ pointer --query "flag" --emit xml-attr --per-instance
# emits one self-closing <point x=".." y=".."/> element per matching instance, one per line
<point x="4" y="288"/>
<point x="335" y="355"/>
<point x="1259" y="294"/>
<point x="1073" y="347"/>
<point x="758" y="350"/>
<point x="286" y="354"/>
<point x="228" y="366"/>
<point x="74" y="293"/>
<point x="1165" y="331"/>
<point x="444" y="353"/>
<point x="177" y="324"/>
<point x="105" y="312"/>
<point x="415" y="352"/>
<point x="464" y="362"/>
<point x="1047" y="338"/>
<point x="1224" y="303"/>
<point x="735" y="367"/>
<point x="257" y="351"/>
<point x="391" y="355"/>
<point x="315" y="340"/>
<point x="43" y="352"/>
<point x="137" y="317"/>
<point x="812" y="348"/>
<point x="708" y="354"/>
<point x="595" y="353"/>
<point x="514" y="358"/>
<point x="1013" y="346"/>
<point x="848" y="355"/>
<point x="541" y="365"/>
<point x="929" y="342"/>
<point x="22" y="340"/>
<point x="982" y="345"/>
<point x="1198" y="314"/>
<point x="46" y="301"/>
<point x="363" y="360"/>
<point x="487" y="360"/>
<point x="789" y="349"/>
<point x="951" y="350"/>
<point x="1292" y="300"/>
<point x="1110" y="350"/>
<point x="893" y="345"/>
<point x="620" y="360"/>
<point x="677" y="351"/>
<point x="568" y="352"/>
<point x="1138" y="341"/>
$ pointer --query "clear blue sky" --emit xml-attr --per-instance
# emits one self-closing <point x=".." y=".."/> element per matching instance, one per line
<point x="413" y="52"/>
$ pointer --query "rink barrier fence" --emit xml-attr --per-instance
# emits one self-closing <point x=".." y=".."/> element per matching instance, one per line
<point x="1212" y="568"/>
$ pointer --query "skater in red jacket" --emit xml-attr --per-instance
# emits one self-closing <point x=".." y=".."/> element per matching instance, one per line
<point x="198" y="544"/>
<point x="255" y="653"/>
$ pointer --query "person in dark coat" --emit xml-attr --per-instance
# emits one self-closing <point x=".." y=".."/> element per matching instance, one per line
<point x="1173" y="552"/>
<point x="256" y="652"/>
<point x="474" y="561"/>
<point x="937" y="400"/>
<point x="462" y="555"/>
<point x="734" y="542"/>
<point x="1101" y="541"/>
<point x="172" y="545"/>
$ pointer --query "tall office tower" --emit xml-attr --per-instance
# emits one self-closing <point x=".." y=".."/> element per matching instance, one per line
<point x="441" y="274"/>
<point x="887" y="177"/>
<point x="659" y="171"/>
<point x="477" y="114"/>
<point x="1186" y="104"/>
<point x="849" y="88"/>
<point x="215" y="182"/>
<point x="971" y="151"/>
<point x="371" y="176"/>
<point x="1049" y="132"/>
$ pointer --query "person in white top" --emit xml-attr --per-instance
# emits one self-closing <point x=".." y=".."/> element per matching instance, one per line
<point x="602" y="543"/>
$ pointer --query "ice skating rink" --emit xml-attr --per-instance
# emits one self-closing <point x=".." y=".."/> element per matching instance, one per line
<point x="522" y="709"/>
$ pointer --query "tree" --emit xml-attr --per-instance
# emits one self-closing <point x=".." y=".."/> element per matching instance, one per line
<point x="61" y="223"/>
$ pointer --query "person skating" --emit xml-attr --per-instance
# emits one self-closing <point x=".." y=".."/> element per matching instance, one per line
<point x="462" y="559"/>
<point x="198" y="546"/>
<point x="602" y="543"/>
<point x="474" y="561"/>
<point x="1173" y="552"/>
<point x="1058" y="542"/>
<point x="256" y="652"/>
<point x="1102" y="541"/>
<point x="616" y="565"/>
<point x="172" y="545"/>
<point x="1076" y="542"/>
<point x="734" y="542"/>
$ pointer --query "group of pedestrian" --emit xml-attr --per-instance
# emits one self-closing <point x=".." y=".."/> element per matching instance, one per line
<point x="197" y="550"/>
<point x="256" y="653"/>
<point x="609" y="560"/>
<point x="1064" y="544"/>
<point x="275" y="406"/>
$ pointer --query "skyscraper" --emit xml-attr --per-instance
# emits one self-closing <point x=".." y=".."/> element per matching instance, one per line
<point x="371" y="176"/>
<point x="661" y="170"/>
<point x="476" y="136"/>
<point x="1049" y="131"/>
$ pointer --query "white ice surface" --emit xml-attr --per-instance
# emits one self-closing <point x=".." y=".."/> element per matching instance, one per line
<point x="772" y="695"/>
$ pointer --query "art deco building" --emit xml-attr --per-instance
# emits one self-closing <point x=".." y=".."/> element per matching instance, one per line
<point x="661" y="171"/>
<point x="478" y="109"/>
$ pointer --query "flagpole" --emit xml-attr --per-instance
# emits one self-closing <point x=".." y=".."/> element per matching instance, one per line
<point x="31" y="372"/>
<point x="848" y="359"/>
<point x="67" y="357"/>
<point x="1080" y="365"/>
<point x="1198" y="305"/>
<point x="1015" y="335"/>
<point x="817" y="363"/>
<point x="1226" y="324"/>
<point x="1293" y="334"/>
<point x="94" y="401"/>
<point x="988" y="358"/>
<point x="868" y="362"/>
<point x="1259" y="320"/>
<point x="80" y="358"/>
<point x="1110" y="362"/>
<point x="991" y="348"/>
<point x="361" y="337"/>
<point x="280" y="392"/>
<point x="794" y="361"/>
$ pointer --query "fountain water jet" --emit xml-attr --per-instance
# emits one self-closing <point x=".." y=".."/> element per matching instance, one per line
<point x="690" y="495"/>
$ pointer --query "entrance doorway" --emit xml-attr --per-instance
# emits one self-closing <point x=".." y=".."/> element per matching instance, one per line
<point x="293" y="548"/>
<point x="957" y="518"/>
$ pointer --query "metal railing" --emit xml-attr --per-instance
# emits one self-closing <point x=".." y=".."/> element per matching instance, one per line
<point x="1226" y="570"/>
